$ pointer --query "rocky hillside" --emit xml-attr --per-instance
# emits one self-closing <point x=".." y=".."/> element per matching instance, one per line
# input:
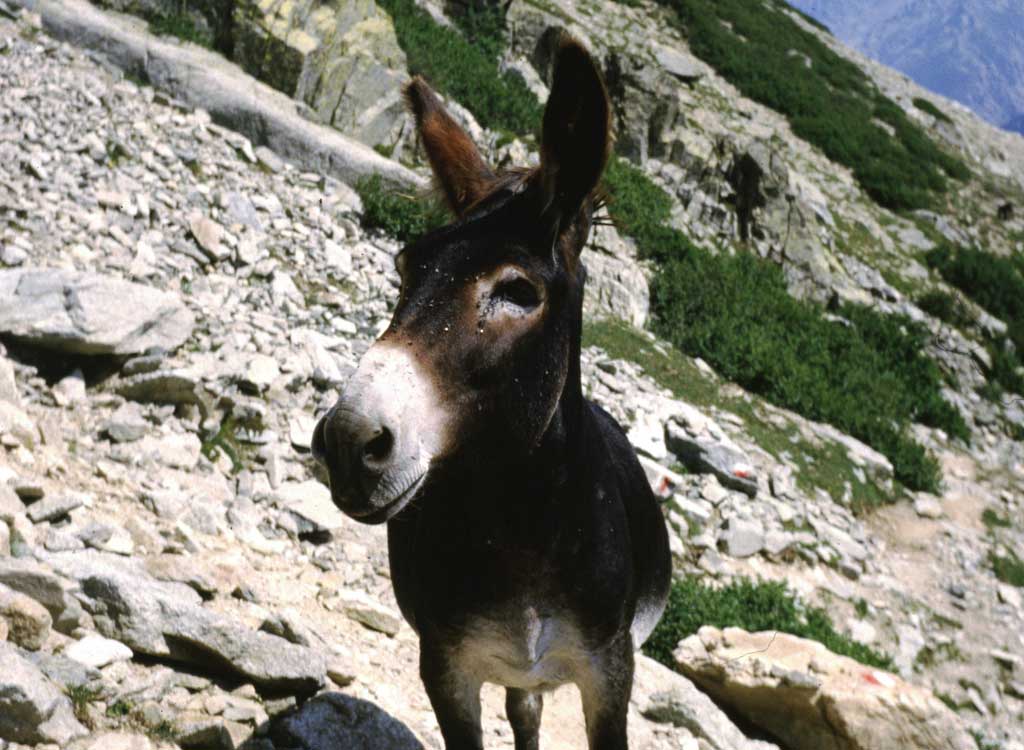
<point x="199" y="205"/>
<point x="966" y="50"/>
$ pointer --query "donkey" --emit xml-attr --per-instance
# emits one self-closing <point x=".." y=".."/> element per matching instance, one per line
<point x="526" y="546"/>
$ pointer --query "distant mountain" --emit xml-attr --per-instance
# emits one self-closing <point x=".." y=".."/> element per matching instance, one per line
<point x="968" y="50"/>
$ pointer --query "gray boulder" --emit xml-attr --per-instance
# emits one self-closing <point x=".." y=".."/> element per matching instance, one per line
<point x="703" y="451"/>
<point x="88" y="313"/>
<point x="32" y="709"/>
<point x="333" y="720"/>
<point x="167" y="620"/>
<point x="38" y="582"/>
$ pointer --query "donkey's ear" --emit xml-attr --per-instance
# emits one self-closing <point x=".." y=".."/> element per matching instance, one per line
<point x="577" y="122"/>
<point x="458" y="167"/>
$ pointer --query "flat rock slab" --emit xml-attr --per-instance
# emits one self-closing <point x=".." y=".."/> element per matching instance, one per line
<point x="89" y="313"/>
<point x="167" y="620"/>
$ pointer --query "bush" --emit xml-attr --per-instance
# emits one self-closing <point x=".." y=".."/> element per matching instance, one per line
<point x="947" y="308"/>
<point x="831" y="104"/>
<point x="926" y="106"/>
<point x="1008" y="567"/>
<point x="867" y="375"/>
<point x="466" y="67"/>
<point x="400" y="216"/>
<point x="755" y="607"/>
<point x="997" y="284"/>
<point x="868" y="378"/>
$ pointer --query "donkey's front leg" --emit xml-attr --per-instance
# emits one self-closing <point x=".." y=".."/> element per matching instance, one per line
<point x="606" y="688"/>
<point x="455" y="697"/>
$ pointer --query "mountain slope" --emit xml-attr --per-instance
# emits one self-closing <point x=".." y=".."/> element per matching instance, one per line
<point x="968" y="50"/>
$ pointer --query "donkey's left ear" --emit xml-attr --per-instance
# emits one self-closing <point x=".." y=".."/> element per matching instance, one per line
<point x="577" y="125"/>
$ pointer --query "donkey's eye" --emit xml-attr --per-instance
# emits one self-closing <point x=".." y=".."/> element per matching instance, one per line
<point x="518" y="291"/>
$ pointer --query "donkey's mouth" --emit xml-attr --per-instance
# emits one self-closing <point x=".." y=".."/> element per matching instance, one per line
<point x="391" y="508"/>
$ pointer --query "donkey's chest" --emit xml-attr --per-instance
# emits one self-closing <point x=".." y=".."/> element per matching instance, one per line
<point x="521" y="647"/>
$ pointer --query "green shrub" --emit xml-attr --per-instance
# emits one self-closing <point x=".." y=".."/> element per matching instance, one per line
<point x="466" y="67"/>
<point x="947" y="307"/>
<point x="997" y="284"/>
<point x="993" y="520"/>
<point x="755" y="607"/>
<point x="831" y="104"/>
<point x="1008" y="567"/>
<point x="403" y="217"/>
<point x="868" y="378"/>
<point x="867" y="375"/>
<point x="926" y="106"/>
<point x="994" y="282"/>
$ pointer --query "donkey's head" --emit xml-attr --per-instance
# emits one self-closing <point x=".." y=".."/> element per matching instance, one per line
<point x="478" y="352"/>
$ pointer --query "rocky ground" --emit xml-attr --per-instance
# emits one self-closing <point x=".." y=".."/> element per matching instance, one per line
<point x="171" y="572"/>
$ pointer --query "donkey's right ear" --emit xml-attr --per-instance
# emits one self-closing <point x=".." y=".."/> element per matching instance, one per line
<point x="459" y="169"/>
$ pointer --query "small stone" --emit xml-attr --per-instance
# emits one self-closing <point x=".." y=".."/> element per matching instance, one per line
<point x="209" y="235"/>
<point x="127" y="424"/>
<point x="97" y="652"/>
<point x="927" y="506"/>
<point x="70" y="390"/>
<point x="27" y="620"/>
<point x="53" y="508"/>
<point x="261" y="372"/>
<point x="1009" y="595"/>
<point x="341" y="671"/>
<point x="366" y="611"/>
<point x="268" y="159"/>
<point x="743" y="538"/>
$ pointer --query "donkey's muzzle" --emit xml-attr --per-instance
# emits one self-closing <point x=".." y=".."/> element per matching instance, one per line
<point x="358" y="452"/>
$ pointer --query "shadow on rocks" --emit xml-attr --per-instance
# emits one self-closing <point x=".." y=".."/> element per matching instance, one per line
<point x="335" y="721"/>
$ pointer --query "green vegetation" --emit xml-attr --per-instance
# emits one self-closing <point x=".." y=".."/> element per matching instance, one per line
<point x="465" y="66"/>
<point x="120" y="709"/>
<point x="996" y="284"/>
<point x="1008" y="567"/>
<point x="866" y="374"/>
<point x="830" y="102"/>
<point x="825" y="466"/>
<point x="180" y="23"/>
<point x="81" y="696"/>
<point x="947" y="307"/>
<point x="993" y="520"/>
<point x="755" y="607"/>
<point x="926" y="106"/>
<point x="403" y="217"/>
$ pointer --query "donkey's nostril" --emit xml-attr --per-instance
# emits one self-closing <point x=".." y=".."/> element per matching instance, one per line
<point x="378" y="449"/>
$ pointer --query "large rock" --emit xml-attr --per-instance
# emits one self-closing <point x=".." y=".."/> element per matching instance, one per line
<point x="616" y="285"/>
<point x="333" y="720"/>
<point x="342" y="59"/>
<point x="39" y="582"/>
<point x="701" y="446"/>
<point x="32" y="709"/>
<point x="167" y="620"/>
<point x="667" y="697"/>
<point x="812" y="699"/>
<point x="88" y="313"/>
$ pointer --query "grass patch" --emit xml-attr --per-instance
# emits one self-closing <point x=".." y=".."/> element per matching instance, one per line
<point x="403" y="217"/>
<point x="826" y="466"/>
<point x="831" y="104"/>
<point x="996" y="284"/>
<point x="181" y="25"/>
<point x="755" y="607"/>
<point x="927" y="107"/>
<point x="865" y="374"/>
<point x="947" y="307"/>
<point x="81" y="696"/>
<point x="1008" y="567"/>
<point x="120" y="709"/>
<point x="993" y="520"/>
<point x="465" y="66"/>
